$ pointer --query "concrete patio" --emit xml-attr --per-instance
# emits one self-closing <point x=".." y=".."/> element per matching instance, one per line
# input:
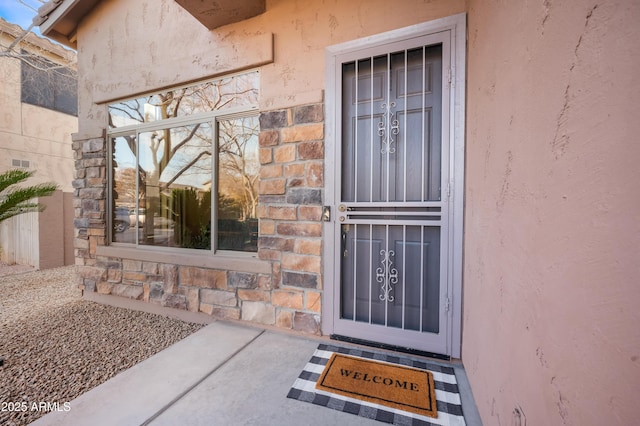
<point x="224" y="374"/>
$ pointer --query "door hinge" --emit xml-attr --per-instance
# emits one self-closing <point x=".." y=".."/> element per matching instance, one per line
<point x="447" y="304"/>
<point x="448" y="190"/>
<point x="449" y="76"/>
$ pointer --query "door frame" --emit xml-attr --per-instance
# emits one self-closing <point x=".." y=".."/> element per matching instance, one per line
<point x="455" y="26"/>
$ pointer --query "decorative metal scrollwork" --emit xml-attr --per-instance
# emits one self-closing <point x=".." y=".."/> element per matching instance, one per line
<point x="387" y="275"/>
<point x="392" y="124"/>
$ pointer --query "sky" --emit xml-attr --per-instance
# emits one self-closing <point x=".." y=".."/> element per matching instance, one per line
<point x="17" y="12"/>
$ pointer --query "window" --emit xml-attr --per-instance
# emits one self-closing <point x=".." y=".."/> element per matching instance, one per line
<point x="49" y="85"/>
<point x="184" y="167"/>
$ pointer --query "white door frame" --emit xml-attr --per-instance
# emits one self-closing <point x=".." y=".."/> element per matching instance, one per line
<point x="455" y="26"/>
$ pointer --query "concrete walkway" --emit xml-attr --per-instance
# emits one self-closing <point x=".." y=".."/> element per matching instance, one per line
<point x="224" y="374"/>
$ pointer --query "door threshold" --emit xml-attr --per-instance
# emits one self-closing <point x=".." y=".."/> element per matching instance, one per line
<point x="389" y="347"/>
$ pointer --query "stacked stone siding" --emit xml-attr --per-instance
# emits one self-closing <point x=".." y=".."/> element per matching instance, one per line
<point x="290" y="210"/>
<point x="89" y="202"/>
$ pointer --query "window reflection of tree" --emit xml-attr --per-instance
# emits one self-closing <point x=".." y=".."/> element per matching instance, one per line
<point x="237" y="139"/>
<point x="180" y="153"/>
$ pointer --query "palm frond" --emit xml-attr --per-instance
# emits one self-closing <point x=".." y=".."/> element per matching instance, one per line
<point x="20" y="209"/>
<point x="15" y="200"/>
<point x="12" y="177"/>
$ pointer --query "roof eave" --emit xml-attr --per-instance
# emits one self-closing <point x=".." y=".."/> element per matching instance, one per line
<point x="59" y="20"/>
<point x="222" y="12"/>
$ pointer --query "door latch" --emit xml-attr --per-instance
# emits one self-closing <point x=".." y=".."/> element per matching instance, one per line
<point x="326" y="213"/>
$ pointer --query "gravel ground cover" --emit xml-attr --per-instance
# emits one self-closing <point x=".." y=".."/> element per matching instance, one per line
<point x="57" y="346"/>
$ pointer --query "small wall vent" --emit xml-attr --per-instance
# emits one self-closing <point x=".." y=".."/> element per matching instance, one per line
<point x="20" y="163"/>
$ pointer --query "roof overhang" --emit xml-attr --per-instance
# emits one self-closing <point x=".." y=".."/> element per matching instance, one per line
<point x="216" y="13"/>
<point x="59" y="19"/>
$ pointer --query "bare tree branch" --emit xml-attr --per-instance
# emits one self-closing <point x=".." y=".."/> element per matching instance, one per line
<point x="28" y="5"/>
<point x="185" y="140"/>
<point x="185" y="168"/>
<point x="30" y="48"/>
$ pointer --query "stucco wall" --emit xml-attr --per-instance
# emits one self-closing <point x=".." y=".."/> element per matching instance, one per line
<point x="128" y="47"/>
<point x="43" y="138"/>
<point x="55" y="229"/>
<point x="10" y="95"/>
<point x="39" y="135"/>
<point x="553" y="212"/>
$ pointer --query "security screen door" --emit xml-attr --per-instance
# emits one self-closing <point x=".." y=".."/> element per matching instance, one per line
<point x="391" y="195"/>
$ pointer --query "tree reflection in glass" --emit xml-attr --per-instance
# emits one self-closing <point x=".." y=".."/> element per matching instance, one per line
<point x="164" y="174"/>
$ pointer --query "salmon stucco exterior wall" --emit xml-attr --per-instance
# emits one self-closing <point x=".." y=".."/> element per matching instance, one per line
<point x="552" y="212"/>
<point x="552" y="218"/>
<point x="171" y="47"/>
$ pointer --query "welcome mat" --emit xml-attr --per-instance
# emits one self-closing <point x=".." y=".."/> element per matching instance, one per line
<point x="447" y="397"/>
<point x="390" y="385"/>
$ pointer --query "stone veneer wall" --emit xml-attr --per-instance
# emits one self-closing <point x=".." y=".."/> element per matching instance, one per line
<point x="290" y="238"/>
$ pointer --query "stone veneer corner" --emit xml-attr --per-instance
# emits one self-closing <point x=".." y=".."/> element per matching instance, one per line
<point x="290" y="193"/>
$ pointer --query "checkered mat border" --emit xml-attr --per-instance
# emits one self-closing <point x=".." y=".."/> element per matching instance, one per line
<point x="447" y="394"/>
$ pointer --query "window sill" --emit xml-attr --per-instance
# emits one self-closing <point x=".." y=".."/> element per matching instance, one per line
<point x="227" y="262"/>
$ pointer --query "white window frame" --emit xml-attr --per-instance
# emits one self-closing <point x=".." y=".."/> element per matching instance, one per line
<point x="211" y="117"/>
